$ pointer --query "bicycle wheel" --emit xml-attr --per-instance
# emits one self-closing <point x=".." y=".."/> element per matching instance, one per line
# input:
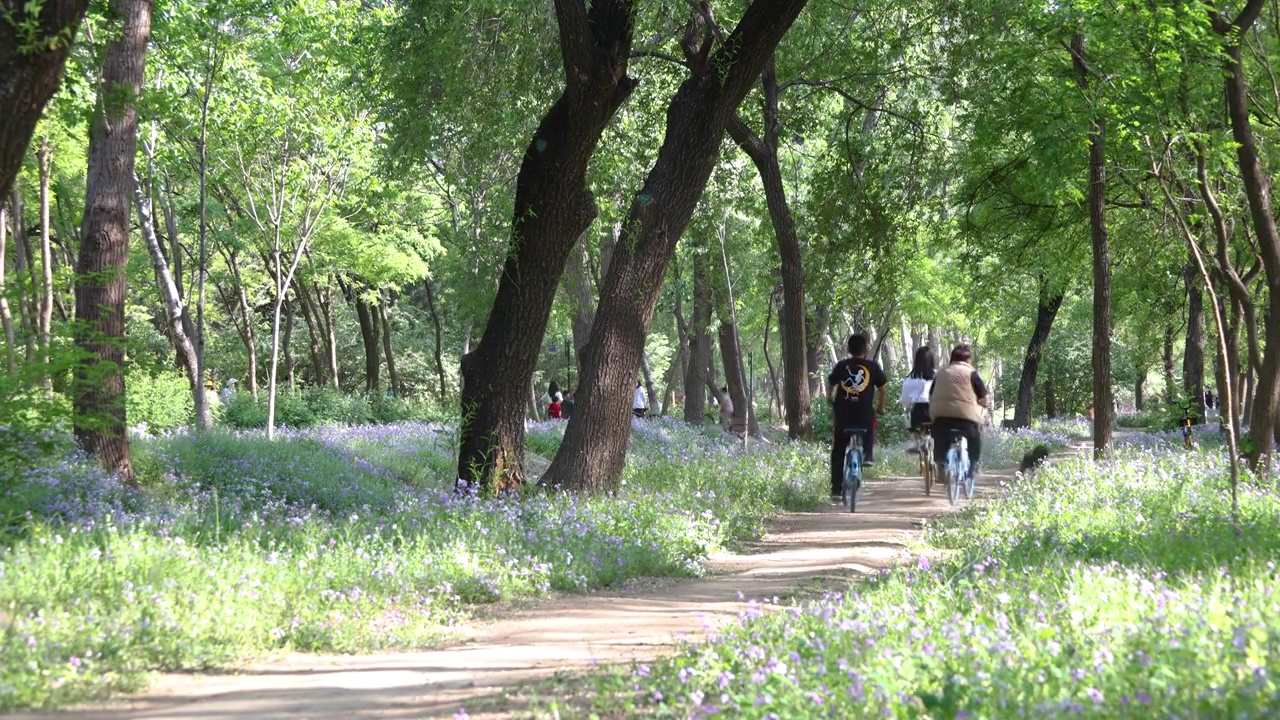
<point x="953" y="475"/>
<point x="852" y="477"/>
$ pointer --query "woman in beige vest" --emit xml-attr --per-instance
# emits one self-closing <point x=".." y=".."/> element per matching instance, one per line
<point x="955" y="403"/>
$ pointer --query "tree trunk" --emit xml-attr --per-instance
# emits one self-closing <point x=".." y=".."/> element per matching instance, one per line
<point x="286" y="343"/>
<point x="43" y="159"/>
<point x="1139" y="391"/>
<point x="816" y="328"/>
<point x="553" y="207"/>
<point x="370" y="339"/>
<point x="1103" y="404"/>
<point x="439" y="338"/>
<point x="249" y="337"/>
<point x="393" y="376"/>
<point x="100" y="423"/>
<point x="648" y="381"/>
<point x="172" y="303"/>
<point x="776" y="396"/>
<point x="1170" y="334"/>
<point x="764" y="154"/>
<point x="324" y="303"/>
<point x="734" y="382"/>
<point x="1257" y="190"/>
<point x="30" y="70"/>
<point x="695" y="400"/>
<point x="1193" y="351"/>
<point x="581" y="293"/>
<point x="315" y="334"/>
<point x="6" y="317"/>
<point x="591" y="456"/>
<point x="1046" y="312"/>
<point x="24" y="277"/>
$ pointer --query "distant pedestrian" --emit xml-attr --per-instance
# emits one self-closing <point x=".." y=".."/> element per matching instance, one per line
<point x="228" y="390"/>
<point x="566" y="407"/>
<point x="555" y="408"/>
<point x="639" y="402"/>
<point x="553" y="389"/>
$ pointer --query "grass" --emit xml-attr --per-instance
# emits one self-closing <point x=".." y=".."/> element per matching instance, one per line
<point x="1108" y="591"/>
<point x="341" y="540"/>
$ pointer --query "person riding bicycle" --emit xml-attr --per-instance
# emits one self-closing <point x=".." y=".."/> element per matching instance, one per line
<point x="851" y="389"/>
<point x="916" y="388"/>
<point x="956" y="402"/>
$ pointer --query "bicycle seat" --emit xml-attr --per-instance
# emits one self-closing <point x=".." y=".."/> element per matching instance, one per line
<point x="855" y="431"/>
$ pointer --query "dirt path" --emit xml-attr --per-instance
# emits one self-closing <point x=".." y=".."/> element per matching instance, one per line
<point x="565" y="633"/>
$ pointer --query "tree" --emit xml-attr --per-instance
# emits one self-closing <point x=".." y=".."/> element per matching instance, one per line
<point x="763" y="151"/>
<point x="553" y="207"/>
<point x="591" y="456"/>
<point x="33" y="53"/>
<point x="104" y="245"/>
<point x="1103" y="404"/>
<point x="1046" y="311"/>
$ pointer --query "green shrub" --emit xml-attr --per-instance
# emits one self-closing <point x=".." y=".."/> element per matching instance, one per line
<point x="159" y="400"/>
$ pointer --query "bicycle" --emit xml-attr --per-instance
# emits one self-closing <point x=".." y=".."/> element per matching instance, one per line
<point x="852" y="468"/>
<point x="924" y="445"/>
<point x="959" y="472"/>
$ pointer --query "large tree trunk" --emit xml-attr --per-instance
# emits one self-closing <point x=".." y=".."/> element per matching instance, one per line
<point x="172" y="303"/>
<point x="100" y="424"/>
<point x="6" y="317"/>
<point x="1139" y="390"/>
<point x="1257" y="190"/>
<point x="1103" y="404"/>
<point x="1046" y="311"/>
<point x="1170" y="334"/>
<point x="553" y="207"/>
<point x="591" y="456"/>
<point x="1193" y="350"/>
<point x="695" y="398"/>
<point x="763" y="152"/>
<point x="33" y="52"/>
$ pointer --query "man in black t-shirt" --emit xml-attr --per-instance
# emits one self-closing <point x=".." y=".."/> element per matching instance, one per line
<point x="851" y="388"/>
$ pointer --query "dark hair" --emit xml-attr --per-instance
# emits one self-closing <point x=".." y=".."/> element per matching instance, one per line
<point x="926" y="363"/>
<point x="857" y="344"/>
<point x="961" y="353"/>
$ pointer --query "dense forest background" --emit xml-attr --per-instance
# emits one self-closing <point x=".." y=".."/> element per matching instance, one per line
<point x="333" y="204"/>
